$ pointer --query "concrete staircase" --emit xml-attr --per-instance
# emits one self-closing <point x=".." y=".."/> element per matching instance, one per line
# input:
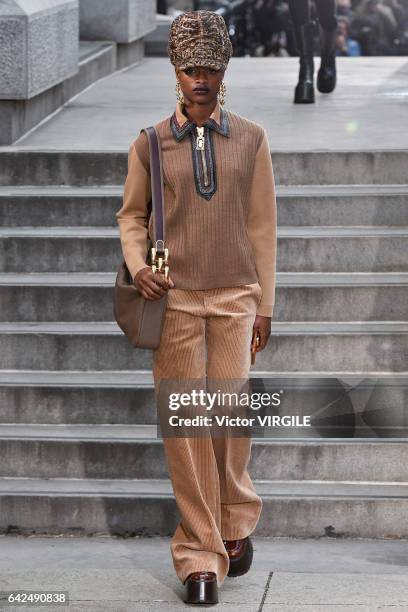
<point x="78" y="443"/>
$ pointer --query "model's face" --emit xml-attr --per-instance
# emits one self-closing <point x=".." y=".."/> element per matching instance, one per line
<point x="200" y="77"/>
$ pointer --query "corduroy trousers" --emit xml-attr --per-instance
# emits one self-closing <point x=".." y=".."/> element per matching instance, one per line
<point x="207" y="335"/>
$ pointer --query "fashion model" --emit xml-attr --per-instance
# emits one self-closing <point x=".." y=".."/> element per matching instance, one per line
<point x="303" y="29"/>
<point x="220" y="217"/>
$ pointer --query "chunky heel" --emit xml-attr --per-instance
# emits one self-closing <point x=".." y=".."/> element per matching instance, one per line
<point x="202" y="588"/>
<point x="304" y="93"/>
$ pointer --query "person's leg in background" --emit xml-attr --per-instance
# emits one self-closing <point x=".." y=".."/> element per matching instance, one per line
<point x="327" y="77"/>
<point x="300" y="11"/>
<point x="303" y="29"/>
<point x="196" y="544"/>
<point x="304" y="36"/>
<point x="231" y="315"/>
<point x="326" y="11"/>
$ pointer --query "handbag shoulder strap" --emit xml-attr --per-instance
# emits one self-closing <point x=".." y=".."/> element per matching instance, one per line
<point x="156" y="178"/>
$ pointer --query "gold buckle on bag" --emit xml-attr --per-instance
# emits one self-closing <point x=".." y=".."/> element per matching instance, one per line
<point x="160" y="258"/>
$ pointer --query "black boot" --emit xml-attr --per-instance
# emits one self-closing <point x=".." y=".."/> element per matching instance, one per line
<point x="326" y="77"/>
<point x="304" y="92"/>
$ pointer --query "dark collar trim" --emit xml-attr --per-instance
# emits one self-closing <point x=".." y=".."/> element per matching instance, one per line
<point x="179" y="131"/>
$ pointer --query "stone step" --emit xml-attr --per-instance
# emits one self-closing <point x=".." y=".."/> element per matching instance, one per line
<point x="297" y="205"/>
<point x="135" y="451"/>
<point x="60" y="205"/>
<point x="300" y="249"/>
<point x="302" y="205"/>
<point x="310" y="346"/>
<point x="147" y="507"/>
<point x="49" y="397"/>
<point x="31" y="166"/>
<point x="309" y="296"/>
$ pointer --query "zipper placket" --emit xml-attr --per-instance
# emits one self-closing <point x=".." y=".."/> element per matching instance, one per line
<point x="201" y="147"/>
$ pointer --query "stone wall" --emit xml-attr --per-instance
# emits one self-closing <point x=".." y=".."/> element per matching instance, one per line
<point x="38" y="45"/>
<point x="122" y="21"/>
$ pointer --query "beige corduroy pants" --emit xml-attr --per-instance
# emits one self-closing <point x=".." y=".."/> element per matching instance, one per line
<point x="207" y="333"/>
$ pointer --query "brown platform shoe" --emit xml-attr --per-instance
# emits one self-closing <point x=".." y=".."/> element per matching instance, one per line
<point x="240" y="553"/>
<point x="201" y="588"/>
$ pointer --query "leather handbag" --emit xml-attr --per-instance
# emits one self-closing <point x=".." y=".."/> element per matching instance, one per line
<point x="140" y="319"/>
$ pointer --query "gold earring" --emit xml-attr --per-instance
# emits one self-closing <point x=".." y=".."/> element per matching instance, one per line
<point x="221" y="93"/>
<point x="179" y="93"/>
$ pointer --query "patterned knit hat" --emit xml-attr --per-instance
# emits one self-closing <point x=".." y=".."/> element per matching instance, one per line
<point x="199" y="38"/>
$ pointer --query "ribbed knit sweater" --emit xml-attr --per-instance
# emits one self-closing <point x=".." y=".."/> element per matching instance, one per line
<point x="219" y="203"/>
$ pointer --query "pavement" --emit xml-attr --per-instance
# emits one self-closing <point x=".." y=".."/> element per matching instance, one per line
<point x="136" y="574"/>
<point x="365" y="112"/>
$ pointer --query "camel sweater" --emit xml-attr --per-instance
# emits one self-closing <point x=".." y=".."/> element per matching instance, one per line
<point x="219" y="203"/>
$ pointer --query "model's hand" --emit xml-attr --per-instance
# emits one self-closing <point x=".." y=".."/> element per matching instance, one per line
<point x="263" y="326"/>
<point x="152" y="285"/>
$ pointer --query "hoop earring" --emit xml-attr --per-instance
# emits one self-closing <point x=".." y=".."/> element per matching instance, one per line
<point x="221" y="93"/>
<point x="179" y="93"/>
